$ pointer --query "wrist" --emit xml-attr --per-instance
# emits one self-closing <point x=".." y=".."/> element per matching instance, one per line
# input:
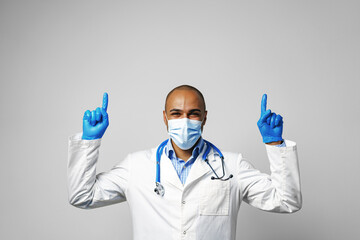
<point x="272" y="140"/>
<point x="89" y="138"/>
<point x="274" y="143"/>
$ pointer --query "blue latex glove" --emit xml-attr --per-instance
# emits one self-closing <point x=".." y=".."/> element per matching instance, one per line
<point x="96" y="121"/>
<point x="270" y="124"/>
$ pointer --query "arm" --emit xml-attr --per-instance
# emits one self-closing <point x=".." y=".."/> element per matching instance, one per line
<point x="87" y="189"/>
<point x="279" y="191"/>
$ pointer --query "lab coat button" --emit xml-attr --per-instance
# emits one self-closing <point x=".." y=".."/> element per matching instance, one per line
<point x="183" y="202"/>
<point x="184" y="232"/>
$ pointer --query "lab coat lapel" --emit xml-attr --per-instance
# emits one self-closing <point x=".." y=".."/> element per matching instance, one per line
<point x="168" y="173"/>
<point x="200" y="167"/>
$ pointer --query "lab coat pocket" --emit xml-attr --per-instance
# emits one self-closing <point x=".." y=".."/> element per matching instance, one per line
<point x="215" y="198"/>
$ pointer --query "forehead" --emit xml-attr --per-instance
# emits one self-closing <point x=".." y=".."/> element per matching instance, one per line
<point x="184" y="99"/>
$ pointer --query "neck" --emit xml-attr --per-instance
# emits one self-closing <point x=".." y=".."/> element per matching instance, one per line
<point x="183" y="154"/>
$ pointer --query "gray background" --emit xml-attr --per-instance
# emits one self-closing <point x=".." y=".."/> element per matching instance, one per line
<point x="58" y="57"/>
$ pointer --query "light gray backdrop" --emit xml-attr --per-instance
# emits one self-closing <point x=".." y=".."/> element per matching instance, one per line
<point x="58" y="57"/>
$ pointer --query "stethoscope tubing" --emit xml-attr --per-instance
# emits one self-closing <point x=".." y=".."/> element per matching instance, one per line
<point x="158" y="157"/>
<point x="204" y="157"/>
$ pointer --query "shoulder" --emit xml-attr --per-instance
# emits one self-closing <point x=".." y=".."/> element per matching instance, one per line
<point x="147" y="153"/>
<point x="142" y="154"/>
<point x="237" y="159"/>
<point x="232" y="159"/>
<point x="232" y="155"/>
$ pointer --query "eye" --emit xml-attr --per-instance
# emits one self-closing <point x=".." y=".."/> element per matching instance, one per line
<point x="175" y="114"/>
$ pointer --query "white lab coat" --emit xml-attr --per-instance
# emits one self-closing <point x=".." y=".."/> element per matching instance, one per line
<point x="200" y="209"/>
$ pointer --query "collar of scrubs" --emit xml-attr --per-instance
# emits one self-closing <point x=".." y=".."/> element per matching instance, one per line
<point x="170" y="152"/>
<point x="199" y="149"/>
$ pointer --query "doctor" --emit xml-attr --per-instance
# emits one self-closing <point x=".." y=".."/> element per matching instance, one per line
<point x="185" y="188"/>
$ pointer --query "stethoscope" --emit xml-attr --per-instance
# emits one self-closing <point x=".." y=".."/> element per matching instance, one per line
<point x="159" y="189"/>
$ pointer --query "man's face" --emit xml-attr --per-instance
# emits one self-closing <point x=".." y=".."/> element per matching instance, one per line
<point x="185" y="104"/>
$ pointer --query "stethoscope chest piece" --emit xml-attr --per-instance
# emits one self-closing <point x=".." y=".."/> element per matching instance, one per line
<point x="159" y="189"/>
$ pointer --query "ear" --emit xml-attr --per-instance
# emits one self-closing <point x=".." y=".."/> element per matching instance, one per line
<point x="205" y="117"/>
<point x="164" y="118"/>
<point x="204" y="121"/>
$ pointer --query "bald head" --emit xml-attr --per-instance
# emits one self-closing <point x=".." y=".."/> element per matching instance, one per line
<point x="185" y="102"/>
<point x="186" y="91"/>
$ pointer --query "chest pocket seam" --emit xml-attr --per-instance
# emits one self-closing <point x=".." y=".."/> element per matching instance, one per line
<point x="215" y="198"/>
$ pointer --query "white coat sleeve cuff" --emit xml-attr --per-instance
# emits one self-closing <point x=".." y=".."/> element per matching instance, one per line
<point x="76" y="140"/>
<point x="291" y="145"/>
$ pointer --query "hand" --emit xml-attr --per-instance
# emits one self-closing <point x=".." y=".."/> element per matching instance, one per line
<point x="96" y="122"/>
<point x="270" y="124"/>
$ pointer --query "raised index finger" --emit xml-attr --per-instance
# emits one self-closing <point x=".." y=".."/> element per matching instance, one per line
<point x="263" y="104"/>
<point x="105" y="101"/>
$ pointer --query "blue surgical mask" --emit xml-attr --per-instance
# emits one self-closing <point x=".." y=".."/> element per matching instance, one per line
<point x="184" y="132"/>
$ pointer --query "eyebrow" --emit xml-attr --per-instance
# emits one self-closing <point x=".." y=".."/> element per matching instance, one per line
<point x="179" y="110"/>
<point x="195" y="110"/>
